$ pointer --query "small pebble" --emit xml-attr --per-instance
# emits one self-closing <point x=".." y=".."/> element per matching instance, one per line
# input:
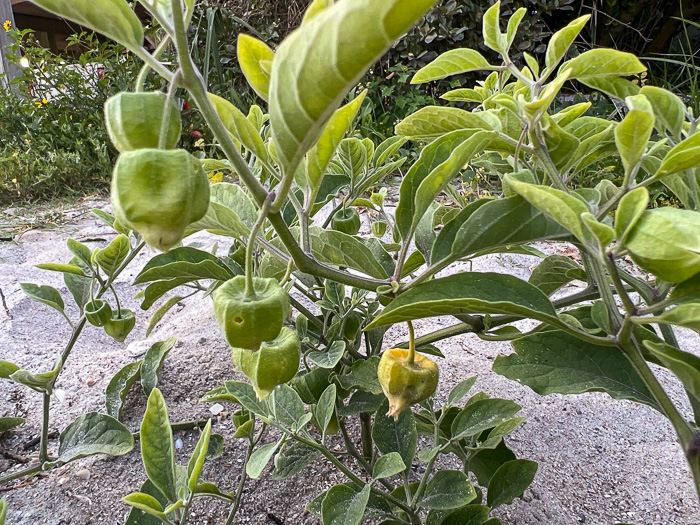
<point x="83" y="474"/>
<point x="90" y="381"/>
<point x="60" y="395"/>
<point x="178" y="443"/>
<point x="216" y="408"/>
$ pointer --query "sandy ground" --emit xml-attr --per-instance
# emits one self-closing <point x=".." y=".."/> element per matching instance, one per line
<point x="601" y="461"/>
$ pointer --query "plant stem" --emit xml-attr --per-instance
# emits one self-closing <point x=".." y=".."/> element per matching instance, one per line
<point x="21" y="473"/>
<point x="411" y="344"/>
<point x="143" y="74"/>
<point x="241" y="483"/>
<point x="249" y="286"/>
<point x="169" y="101"/>
<point x="366" y="436"/>
<point x="44" y="441"/>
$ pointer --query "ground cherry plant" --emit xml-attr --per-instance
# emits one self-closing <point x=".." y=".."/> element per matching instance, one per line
<point x="304" y="303"/>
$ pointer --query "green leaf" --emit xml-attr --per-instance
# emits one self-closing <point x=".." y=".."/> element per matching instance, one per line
<point x="318" y="64"/>
<point x="94" y="433"/>
<point x="152" y="363"/>
<point x="112" y="18"/>
<point x="255" y="59"/>
<point x="164" y="309"/>
<point x="597" y="232"/>
<point x="469" y="515"/>
<point x="685" y="365"/>
<point x="447" y="490"/>
<point x="616" y="87"/>
<point x="238" y="125"/>
<point x="6" y="423"/>
<point x="554" y="272"/>
<point x="146" y="503"/>
<point x="344" y="506"/>
<point x="632" y="136"/>
<point x="683" y="156"/>
<point x="388" y="465"/>
<point x="510" y="481"/>
<point x="603" y="62"/>
<point x="555" y="362"/>
<point x="361" y="402"/>
<point x="352" y="156"/>
<point x="44" y="294"/>
<point x="460" y="390"/>
<point x="454" y="62"/>
<point x="113" y="255"/>
<point x="390" y="435"/>
<point x="326" y="407"/>
<point x="560" y="206"/>
<point x="231" y="212"/>
<point x="157" y="446"/>
<point x="669" y="109"/>
<point x="260" y="458"/>
<point x="686" y="315"/>
<point x="79" y="287"/>
<point x="318" y="157"/>
<point x="463" y="95"/>
<point x="293" y="460"/>
<point x="513" y="24"/>
<point x="138" y="517"/>
<point x="486" y="462"/>
<point x="119" y="386"/>
<point x="287" y="406"/>
<point x="3" y="510"/>
<point x="497" y="433"/>
<point x="485" y="293"/>
<point x="561" y="41"/>
<point x="432" y="122"/>
<point x="7" y="369"/>
<point x="628" y="212"/>
<point x="339" y="249"/>
<point x="199" y="454"/>
<point x="184" y="262"/>
<point x="480" y="415"/>
<point x="315" y="7"/>
<point x="63" y="268"/>
<point x="387" y="149"/>
<point x="686" y="292"/>
<point x="362" y="375"/>
<point x="41" y="382"/>
<point x="247" y="397"/>
<point x="493" y="38"/>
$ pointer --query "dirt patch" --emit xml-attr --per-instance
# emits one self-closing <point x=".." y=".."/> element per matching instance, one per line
<point x="601" y="461"/>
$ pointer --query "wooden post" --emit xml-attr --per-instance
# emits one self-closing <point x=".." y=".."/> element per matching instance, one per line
<point x="7" y="71"/>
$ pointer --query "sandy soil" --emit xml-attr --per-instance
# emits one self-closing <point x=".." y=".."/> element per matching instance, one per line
<point x="601" y="461"/>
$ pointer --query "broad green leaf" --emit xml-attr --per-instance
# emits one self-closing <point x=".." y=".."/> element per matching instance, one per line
<point x="469" y="515"/>
<point x="352" y="156"/>
<point x="138" y="517"/>
<point x="669" y="109"/>
<point x="94" y="433"/>
<point x="246" y="396"/>
<point x="339" y="249"/>
<point x="344" y="506"/>
<point x="554" y="272"/>
<point x="561" y="145"/>
<point x="287" y="406"/>
<point x="44" y="294"/>
<point x="510" y="481"/>
<point x="158" y="289"/>
<point x="318" y="64"/>
<point x="6" y="423"/>
<point x="686" y="315"/>
<point x="362" y="375"/>
<point x="561" y="41"/>
<point x="63" y="268"/>
<point x="460" y="390"/>
<point x="221" y="219"/>
<point x="497" y="433"/>
<point x="318" y="157"/>
<point x="431" y="186"/>
<point x="315" y="7"/>
<point x="554" y="362"/>
<point x="293" y="460"/>
<point x="42" y="381"/>
<point x="628" y="212"/>
<point x="237" y="200"/>
<point x="464" y="95"/>
<point x="152" y="363"/>
<point x="164" y="309"/>
<point x="493" y="37"/>
<point x="570" y="114"/>
<point x="326" y="407"/>
<point x="616" y="87"/>
<point x="119" y="386"/>
<point x="81" y="251"/>
<point x="603" y="62"/>
<point x="432" y="122"/>
<point x="480" y="415"/>
<point x="487" y="224"/>
<point x="196" y="463"/>
<point x="683" y="156"/>
<point x="513" y="24"/>
<point x="686" y="292"/>
<point x="387" y="149"/>
<point x="112" y="18"/>
<point x="632" y="136"/>
<point x="255" y="59"/>
<point x="454" y="62"/>
<point x="79" y="287"/>
<point x="539" y="105"/>
<point x="447" y="490"/>
<point x="145" y="503"/>
<point x="390" y="435"/>
<point x="111" y="257"/>
<point x="560" y="206"/>
<point x="238" y="125"/>
<point x="685" y="365"/>
<point x="7" y="369"/>
<point x="388" y="465"/>
<point x="260" y="458"/>
<point x="486" y="462"/>
<point x="463" y="293"/>
<point x="361" y="402"/>
<point x="184" y="262"/>
<point x="597" y="232"/>
<point x="157" y="446"/>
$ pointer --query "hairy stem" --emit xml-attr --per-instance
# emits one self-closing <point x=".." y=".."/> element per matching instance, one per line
<point x="250" y="248"/>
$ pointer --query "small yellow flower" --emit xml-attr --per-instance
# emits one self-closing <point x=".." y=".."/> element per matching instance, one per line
<point x="14" y="181"/>
<point x="7" y="25"/>
<point x="71" y="117"/>
<point x="38" y="104"/>
<point x="44" y="101"/>
<point x="217" y="177"/>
